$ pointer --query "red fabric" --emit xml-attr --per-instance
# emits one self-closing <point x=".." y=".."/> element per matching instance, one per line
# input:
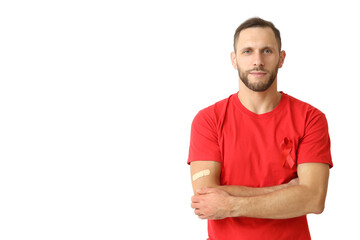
<point x="259" y="151"/>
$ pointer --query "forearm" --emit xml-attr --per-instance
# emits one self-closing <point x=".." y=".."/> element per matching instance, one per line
<point x="293" y="201"/>
<point x="299" y="197"/>
<point x="242" y="191"/>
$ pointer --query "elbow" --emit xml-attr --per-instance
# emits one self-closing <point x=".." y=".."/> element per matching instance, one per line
<point x="317" y="206"/>
<point x="315" y="201"/>
<point x="319" y="209"/>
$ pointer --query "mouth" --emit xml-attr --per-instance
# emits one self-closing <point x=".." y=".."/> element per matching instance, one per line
<point x="258" y="74"/>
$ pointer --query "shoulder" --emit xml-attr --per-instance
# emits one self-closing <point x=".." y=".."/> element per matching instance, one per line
<point x="306" y="113"/>
<point x="303" y="108"/>
<point x="213" y="113"/>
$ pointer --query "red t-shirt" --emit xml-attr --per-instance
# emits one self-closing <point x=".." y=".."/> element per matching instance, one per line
<point x="259" y="150"/>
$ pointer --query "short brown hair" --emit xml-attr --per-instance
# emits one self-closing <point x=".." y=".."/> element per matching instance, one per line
<point x="257" y="22"/>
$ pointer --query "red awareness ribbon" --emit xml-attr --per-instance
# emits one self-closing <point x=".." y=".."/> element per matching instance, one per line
<point x="286" y="146"/>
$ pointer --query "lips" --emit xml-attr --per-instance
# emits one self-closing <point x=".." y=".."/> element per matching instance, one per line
<point x="258" y="74"/>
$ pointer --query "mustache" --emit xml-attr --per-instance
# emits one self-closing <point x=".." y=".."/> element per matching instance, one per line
<point x="258" y="69"/>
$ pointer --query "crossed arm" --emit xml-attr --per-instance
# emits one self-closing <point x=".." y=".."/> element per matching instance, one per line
<point x="299" y="197"/>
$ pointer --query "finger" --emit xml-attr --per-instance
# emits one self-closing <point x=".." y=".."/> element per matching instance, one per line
<point x="195" y="199"/>
<point x="201" y="216"/>
<point x="195" y="205"/>
<point x="197" y="211"/>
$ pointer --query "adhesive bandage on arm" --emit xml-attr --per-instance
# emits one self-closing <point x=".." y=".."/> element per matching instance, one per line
<point x="200" y="174"/>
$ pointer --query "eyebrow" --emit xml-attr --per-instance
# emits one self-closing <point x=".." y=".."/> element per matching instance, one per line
<point x="246" y="48"/>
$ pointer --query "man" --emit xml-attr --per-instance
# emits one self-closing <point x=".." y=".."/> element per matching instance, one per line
<point x="259" y="159"/>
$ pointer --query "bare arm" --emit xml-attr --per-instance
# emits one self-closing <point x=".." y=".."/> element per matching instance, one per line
<point x="242" y="191"/>
<point x="213" y="180"/>
<point x="307" y="197"/>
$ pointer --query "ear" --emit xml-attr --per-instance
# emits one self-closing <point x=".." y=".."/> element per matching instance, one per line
<point x="233" y="59"/>
<point x="282" y="58"/>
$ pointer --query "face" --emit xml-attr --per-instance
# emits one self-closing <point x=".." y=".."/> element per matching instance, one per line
<point x="257" y="58"/>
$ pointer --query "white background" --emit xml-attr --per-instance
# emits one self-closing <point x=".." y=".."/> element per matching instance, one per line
<point x="97" y="99"/>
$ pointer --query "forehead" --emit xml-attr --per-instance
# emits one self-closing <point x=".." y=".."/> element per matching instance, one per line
<point x="257" y="37"/>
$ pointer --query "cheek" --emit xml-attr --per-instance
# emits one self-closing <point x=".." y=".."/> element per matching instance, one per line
<point x="273" y="62"/>
<point x="243" y="64"/>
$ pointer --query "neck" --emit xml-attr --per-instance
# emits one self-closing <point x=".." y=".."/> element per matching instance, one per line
<point x="259" y="102"/>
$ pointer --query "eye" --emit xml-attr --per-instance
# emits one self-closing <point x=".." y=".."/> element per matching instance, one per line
<point x="246" y="51"/>
<point x="267" y="51"/>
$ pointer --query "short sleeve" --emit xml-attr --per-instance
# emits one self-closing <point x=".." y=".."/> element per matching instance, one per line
<point x="204" y="144"/>
<point x="315" y="144"/>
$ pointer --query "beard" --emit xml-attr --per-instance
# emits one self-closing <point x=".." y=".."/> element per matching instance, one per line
<point x="259" y="86"/>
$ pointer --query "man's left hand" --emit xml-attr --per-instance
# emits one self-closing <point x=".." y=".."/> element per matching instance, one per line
<point x="211" y="203"/>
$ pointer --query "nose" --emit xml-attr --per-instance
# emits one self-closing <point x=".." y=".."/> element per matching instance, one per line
<point x="258" y="59"/>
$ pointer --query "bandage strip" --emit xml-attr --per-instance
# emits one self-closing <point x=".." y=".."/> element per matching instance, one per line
<point x="200" y="174"/>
